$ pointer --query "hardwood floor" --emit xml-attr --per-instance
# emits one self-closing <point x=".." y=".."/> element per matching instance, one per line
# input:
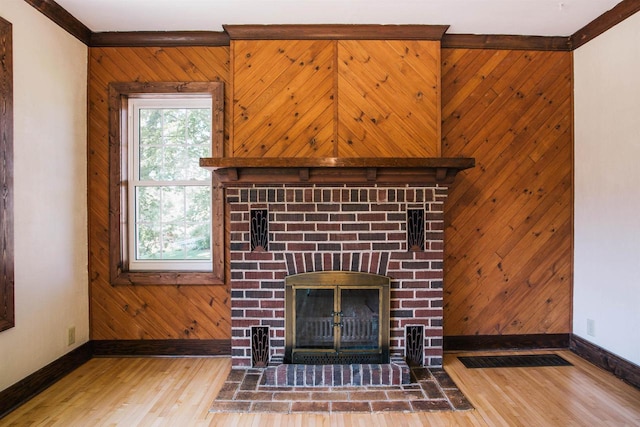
<point x="179" y="392"/>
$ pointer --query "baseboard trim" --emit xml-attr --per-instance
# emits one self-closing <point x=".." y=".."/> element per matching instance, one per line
<point x="105" y="348"/>
<point x="621" y="368"/>
<point x="23" y="390"/>
<point x="505" y="342"/>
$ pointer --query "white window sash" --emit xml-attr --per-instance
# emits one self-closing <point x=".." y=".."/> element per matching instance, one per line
<point x="135" y="105"/>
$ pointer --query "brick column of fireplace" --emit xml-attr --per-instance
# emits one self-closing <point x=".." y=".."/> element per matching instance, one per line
<point x="320" y="228"/>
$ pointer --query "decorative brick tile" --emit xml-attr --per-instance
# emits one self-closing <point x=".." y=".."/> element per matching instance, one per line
<point x="254" y="396"/>
<point x="250" y="382"/>
<point x="329" y="395"/>
<point x="349" y="406"/>
<point x="430" y="405"/>
<point x="457" y="399"/>
<point x="431" y="390"/>
<point x="405" y="395"/>
<point x="276" y="407"/>
<point x="297" y="406"/>
<point x="368" y="395"/>
<point x="231" y="406"/>
<point x="292" y="395"/>
<point x="390" y="406"/>
<point x="443" y="378"/>
<point x="422" y="395"/>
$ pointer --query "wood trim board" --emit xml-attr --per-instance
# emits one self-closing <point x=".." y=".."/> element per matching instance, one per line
<point x="180" y="347"/>
<point x="7" y="254"/>
<point x="30" y="386"/>
<point x="63" y="18"/>
<point x="73" y="26"/>
<point x="627" y="371"/>
<point x="505" y="342"/>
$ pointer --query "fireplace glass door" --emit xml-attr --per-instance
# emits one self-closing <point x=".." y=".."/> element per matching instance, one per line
<point x="337" y="319"/>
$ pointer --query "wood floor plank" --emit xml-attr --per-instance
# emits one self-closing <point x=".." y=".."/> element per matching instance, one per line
<point x="179" y="392"/>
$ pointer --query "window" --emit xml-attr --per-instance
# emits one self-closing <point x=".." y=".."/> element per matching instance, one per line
<point x="166" y="213"/>
<point x="7" y="314"/>
<point x="169" y="194"/>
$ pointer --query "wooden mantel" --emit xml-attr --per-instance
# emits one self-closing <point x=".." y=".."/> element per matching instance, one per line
<point x="333" y="170"/>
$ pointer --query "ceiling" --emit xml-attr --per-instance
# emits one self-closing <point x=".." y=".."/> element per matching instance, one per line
<point x="512" y="17"/>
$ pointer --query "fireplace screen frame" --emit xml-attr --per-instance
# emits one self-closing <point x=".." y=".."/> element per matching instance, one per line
<point x="336" y="280"/>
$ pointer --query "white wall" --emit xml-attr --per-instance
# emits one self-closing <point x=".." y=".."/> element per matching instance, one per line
<point x="51" y="290"/>
<point x="607" y="190"/>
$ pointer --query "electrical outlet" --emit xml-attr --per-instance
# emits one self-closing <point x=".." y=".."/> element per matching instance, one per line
<point x="591" y="327"/>
<point x="71" y="335"/>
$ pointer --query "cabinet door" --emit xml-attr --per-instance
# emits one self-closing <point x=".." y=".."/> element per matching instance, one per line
<point x="283" y="94"/>
<point x="388" y="98"/>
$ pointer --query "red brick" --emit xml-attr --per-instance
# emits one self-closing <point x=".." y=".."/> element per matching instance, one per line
<point x="301" y="247"/>
<point x="297" y="226"/>
<point x="429" y="313"/>
<point x="271" y="304"/>
<point x="310" y="406"/>
<point x="350" y="406"/>
<point x="427" y="274"/>
<point x="245" y="303"/>
<point x="263" y="275"/>
<point x="258" y="256"/>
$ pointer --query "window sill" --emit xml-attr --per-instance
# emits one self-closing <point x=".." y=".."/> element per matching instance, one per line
<point x="166" y="278"/>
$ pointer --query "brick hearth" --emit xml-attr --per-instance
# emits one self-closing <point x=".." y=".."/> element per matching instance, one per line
<point x="343" y="228"/>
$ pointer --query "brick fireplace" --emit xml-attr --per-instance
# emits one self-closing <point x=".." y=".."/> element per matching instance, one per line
<point x="335" y="228"/>
<point x="381" y="216"/>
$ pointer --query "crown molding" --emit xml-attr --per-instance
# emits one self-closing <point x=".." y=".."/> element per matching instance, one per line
<point x="73" y="26"/>
<point x="64" y="19"/>
<point x="159" y="38"/>
<point x="607" y="20"/>
<point x="476" y="41"/>
<point x="335" y="32"/>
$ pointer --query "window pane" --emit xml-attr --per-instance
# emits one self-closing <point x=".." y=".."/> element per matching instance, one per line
<point x="173" y="240"/>
<point x="148" y="242"/>
<point x="193" y="169"/>
<point x="198" y="204"/>
<point x="173" y="204"/>
<point x="174" y="124"/>
<point x="198" y="244"/>
<point x="173" y="164"/>
<point x="151" y="163"/>
<point x="150" y="126"/>
<point x="148" y="204"/>
<point x="173" y="222"/>
<point x="199" y="126"/>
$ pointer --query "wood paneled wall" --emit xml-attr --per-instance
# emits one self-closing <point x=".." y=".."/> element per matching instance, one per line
<point x="328" y="98"/>
<point x="144" y="312"/>
<point x="508" y="267"/>
<point x="388" y="98"/>
<point x="508" y="237"/>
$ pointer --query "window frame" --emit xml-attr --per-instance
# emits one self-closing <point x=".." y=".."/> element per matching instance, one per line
<point x="119" y="94"/>
<point x="7" y="272"/>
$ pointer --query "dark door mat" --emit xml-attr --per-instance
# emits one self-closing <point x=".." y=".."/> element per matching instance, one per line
<point x="518" y="361"/>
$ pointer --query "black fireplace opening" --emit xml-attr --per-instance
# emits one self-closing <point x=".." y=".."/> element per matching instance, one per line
<point x="336" y="317"/>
